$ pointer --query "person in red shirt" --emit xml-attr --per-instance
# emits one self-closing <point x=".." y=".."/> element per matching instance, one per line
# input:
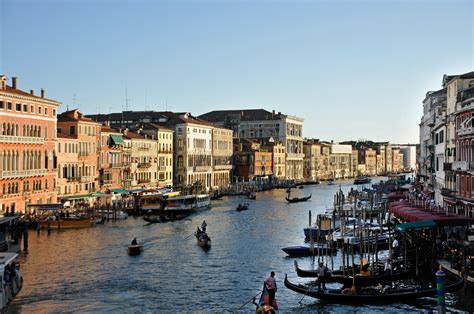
<point x="270" y="285"/>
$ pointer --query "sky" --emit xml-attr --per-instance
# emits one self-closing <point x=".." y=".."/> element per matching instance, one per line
<point x="352" y="69"/>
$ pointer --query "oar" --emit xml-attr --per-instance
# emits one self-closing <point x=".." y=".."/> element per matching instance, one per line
<point x="249" y="300"/>
<point x="189" y="236"/>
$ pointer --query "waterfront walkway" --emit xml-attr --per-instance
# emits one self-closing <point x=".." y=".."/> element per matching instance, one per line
<point x="447" y="267"/>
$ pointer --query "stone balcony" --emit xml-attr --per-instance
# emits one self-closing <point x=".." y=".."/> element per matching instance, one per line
<point x="21" y="139"/>
<point x="85" y="179"/>
<point x="223" y="167"/>
<point x="201" y="168"/>
<point x="10" y="174"/>
<point x="463" y="165"/>
<point x="294" y="156"/>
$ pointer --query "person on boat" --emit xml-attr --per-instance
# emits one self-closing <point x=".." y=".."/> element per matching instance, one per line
<point x="322" y="271"/>
<point x="349" y="291"/>
<point x="270" y="285"/>
<point x="395" y="248"/>
<point x="203" y="226"/>
<point x="134" y="241"/>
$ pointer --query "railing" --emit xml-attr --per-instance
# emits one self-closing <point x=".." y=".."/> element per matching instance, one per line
<point x="144" y="180"/>
<point x="144" y="165"/>
<point x="107" y="182"/>
<point x="5" y="174"/>
<point x="74" y="179"/>
<point x="143" y="148"/>
<point x="448" y="192"/>
<point x="161" y="168"/>
<point x="21" y="139"/>
<point x="165" y="151"/>
<point x="85" y="179"/>
<point x="465" y="131"/>
<point x="115" y="165"/>
<point x="294" y="155"/>
<point x="201" y="168"/>
<point x="223" y="167"/>
<point x="463" y="165"/>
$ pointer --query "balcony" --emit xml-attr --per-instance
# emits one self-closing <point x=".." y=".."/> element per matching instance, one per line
<point x="115" y="165"/>
<point x="21" y="139"/>
<point x="465" y="131"/>
<point x="161" y="168"/>
<point x="144" y="180"/>
<point x="85" y="179"/>
<point x="74" y="179"/>
<point x="223" y="167"/>
<point x="448" y="192"/>
<point x="144" y="165"/>
<point x="107" y="182"/>
<point x="10" y="174"/>
<point x="143" y="149"/>
<point x="463" y="165"/>
<point x="201" y="168"/>
<point x="294" y="156"/>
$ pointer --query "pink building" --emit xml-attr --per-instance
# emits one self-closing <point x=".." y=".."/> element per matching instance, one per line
<point x="27" y="148"/>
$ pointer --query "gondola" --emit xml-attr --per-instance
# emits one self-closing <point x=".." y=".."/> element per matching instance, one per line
<point x="135" y="249"/>
<point x="203" y="240"/>
<point x="298" y="199"/>
<point x="164" y="218"/>
<point x="338" y="276"/>
<point x="252" y="196"/>
<point x="306" y="251"/>
<point x="388" y="296"/>
<point x="242" y="207"/>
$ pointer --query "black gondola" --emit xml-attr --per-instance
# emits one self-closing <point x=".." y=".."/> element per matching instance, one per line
<point x="242" y="207"/>
<point x="338" y="276"/>
<point x="387" y="297"/>
<point x="164" y="218"/>
<point x="298" y="199"/>
<point x="203" y="240"/>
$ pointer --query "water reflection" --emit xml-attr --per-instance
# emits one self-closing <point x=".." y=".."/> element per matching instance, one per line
<point x="89" y="270"/>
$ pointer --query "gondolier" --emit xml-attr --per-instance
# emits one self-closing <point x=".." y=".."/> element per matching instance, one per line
<point x="270" y="285"/>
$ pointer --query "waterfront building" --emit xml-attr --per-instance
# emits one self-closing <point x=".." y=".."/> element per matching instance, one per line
<point x="312" y="152"/>
<point x="409" y="157"/>
<point x="252" y="162"/>
<point x="27" y="148"/>
<point x="259" y="123"/>
<point x="222" y="152"/>
<point x="144" y="159"/>
<point x="110" y="160"/>
<point x="396" y="164"/>
<point x="74" y="124"/>
<point x="461" y="93"/>
<point x="340" y="161"/>
<point x="68" y="180"/>
<point x="434" y="113"/>
<point x="278" y="149"/>
<point x="127" y="175"/>
<point x="164" y="137"/>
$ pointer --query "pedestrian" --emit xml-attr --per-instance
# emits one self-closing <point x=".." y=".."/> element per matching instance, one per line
<point x="322" y="270"/>
<point x="134" y="241"/>
<point x="203" y="226"/>
<point x="388" y="266"/>
<point x="270" y="285"/>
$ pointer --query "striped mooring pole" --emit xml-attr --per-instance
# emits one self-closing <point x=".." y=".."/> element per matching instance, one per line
<point x="440" y="290"/>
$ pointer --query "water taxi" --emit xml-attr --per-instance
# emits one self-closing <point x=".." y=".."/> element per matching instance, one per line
<point x="10" y="277"/>
<point x="174" y="204"/>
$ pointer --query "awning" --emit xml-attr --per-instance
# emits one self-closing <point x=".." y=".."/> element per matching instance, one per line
<point x="117" y="139"/>
<point x="46" y="206"/>
<point x="136" y="190"/>
<point x="76" y="197"/>
<point x="421" y="224"/>
<point x="119" y="191"/>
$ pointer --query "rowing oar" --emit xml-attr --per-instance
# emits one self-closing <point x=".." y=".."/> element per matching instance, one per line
<point x="249" y="300"/>
<point x="306" y="293"/>
<point x="189" y="236"/>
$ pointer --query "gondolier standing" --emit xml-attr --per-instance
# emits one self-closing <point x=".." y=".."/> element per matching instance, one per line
<point x="270" y="285"/>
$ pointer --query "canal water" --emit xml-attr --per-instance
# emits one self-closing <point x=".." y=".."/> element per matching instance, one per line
<point x="88" y="270"/>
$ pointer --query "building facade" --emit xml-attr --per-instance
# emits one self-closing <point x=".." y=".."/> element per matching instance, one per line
<point x="27" y="148"/>
<point x="222" y="152"/>
<point x="110" y="159"/>
<point x="68" y="180"/>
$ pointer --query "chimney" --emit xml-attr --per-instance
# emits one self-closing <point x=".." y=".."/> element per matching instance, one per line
<point x="14" y="82"/>
<point x="42" y="93"/>
<point x="32" y="92"/>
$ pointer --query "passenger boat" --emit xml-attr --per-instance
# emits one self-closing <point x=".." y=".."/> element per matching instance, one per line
<point x="307" y="251"/>
<point x="360" y="280"/>
<point x="298" y="199"/>
<point x="386" y="296"/>
<point x="112" y="214"/>
<point x="174" y="205"/>
<point x="241" y="207"/>
<point x="362" y="180"/>
<point x="11" y="280"/>
<point x="135" y="249"/>
<point x="164" y="218"/>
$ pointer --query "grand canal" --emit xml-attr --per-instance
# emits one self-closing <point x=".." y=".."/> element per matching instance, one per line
<point x="88" y="270"/>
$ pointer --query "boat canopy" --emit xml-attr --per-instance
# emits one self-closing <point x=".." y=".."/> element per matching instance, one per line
<point x="416" y="225"/>
<point x="5" y="259"/>
<point x="46" y="206"/>
<point x="120" y="191"/>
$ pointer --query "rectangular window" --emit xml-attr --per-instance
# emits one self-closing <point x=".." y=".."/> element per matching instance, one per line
<point x="39" y="110"/>
<point x="54" y="112"/>
<point x="25" y="108"/>
<point x="32" y="109"/>
<point x="18" y="107"/>
<point x="9" y="105"/>
<point x="45" y="111"/>
<point x="2" y="104"/>
<point x="72" y="130"/>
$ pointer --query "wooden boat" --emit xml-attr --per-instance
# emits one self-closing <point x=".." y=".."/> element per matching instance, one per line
<point x="135" y="249"/>
<point x="252" y="196"/>
<point x="262" y="306"/>
<point x="337" y="276"/>
<point x="331" y="182"/>
<point x="203" y="240"/>
<point x="306" y="251"/>
<point x="242" y="207"/>
<point x="164" y="218"/>
<point x="10" y="286"/>
<point x="388" y="296"/>
<point x="298" y="199"/>
<point x="362" y="180"/>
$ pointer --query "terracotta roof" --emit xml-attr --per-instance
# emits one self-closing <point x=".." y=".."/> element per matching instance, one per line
<point x="155" y="126"/>
<point x="70" y="116"/>
<point x="10" y="89"/>
<point x="133" y="135"/>
<point x="242" y="115"/>
<point x="108" y="129"/>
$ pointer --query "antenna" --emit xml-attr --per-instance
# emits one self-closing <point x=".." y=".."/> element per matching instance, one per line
<point x="145" y="101"/>
<point x="126" y="99"/>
